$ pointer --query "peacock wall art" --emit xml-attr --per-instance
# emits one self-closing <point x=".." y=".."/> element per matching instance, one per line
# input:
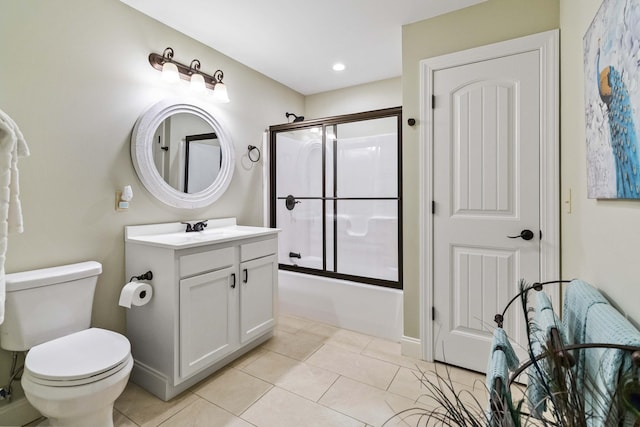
<point x="612" y="100"/>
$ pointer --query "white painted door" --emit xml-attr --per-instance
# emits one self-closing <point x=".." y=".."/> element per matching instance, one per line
<point x="486" y="188"/>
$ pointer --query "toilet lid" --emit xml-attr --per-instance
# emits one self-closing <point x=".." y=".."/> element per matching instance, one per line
<point x="80" y="355"/>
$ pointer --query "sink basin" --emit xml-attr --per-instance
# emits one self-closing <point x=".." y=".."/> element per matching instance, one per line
<point x="180" y="239"/>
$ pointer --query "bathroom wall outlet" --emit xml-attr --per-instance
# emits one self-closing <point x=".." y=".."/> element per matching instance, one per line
<point x="121" y="205"/>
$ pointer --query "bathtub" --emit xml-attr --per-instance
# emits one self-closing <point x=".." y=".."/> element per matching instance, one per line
<point x="371" y="310"/>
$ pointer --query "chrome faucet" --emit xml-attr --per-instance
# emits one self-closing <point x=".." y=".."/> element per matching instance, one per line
<point x="198" y="226"/>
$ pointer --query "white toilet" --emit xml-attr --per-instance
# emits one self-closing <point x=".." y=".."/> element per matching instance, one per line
<point x="73" y="373"/>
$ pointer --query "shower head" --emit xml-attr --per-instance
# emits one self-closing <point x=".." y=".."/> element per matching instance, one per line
<point x="295" y="118"/>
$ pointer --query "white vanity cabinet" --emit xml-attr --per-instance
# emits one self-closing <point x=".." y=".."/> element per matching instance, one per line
<point x="258" y="283"/>
<point x="214" y="295"/>
<point x="206" y="316"/>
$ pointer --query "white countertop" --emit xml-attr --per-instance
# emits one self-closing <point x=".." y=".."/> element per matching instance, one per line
<point x="173" y="236"/>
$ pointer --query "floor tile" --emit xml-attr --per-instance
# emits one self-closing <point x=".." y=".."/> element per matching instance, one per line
<point x="39" y="421"/>
<point x="293" y="346"/>
<point x="349" y="340"/>
<point x="120" y="420"/>
<point x="233" y="390"/>
<point x="366" y="403"/>
<point x="300" y="378"/>
<point x="309" y="374"/>
<point x="355" y="366"/>
<point x="320" y="330"/>
<point x="390" y="351"/>
<point x="428" y="389"/>
<point x="461" y="376"/>
<point x="248" y="358"/>
<point x="271" y="367"/>
<point x="292" y="324"/>
<point x="412" y="384"/>
<point x="145" y="409"/>
<point x="280" y="408"/>
<point x="204" y="414"/>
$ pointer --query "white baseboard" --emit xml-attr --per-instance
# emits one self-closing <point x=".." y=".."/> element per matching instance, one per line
<point x="18" y="413"/>
<point x="411" y="347"/>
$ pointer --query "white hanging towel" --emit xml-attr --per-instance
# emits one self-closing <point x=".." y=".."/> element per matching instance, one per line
<point x="12" y="146"/>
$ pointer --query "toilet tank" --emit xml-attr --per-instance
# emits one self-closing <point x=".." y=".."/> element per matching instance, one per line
<point x="48" y="303"/>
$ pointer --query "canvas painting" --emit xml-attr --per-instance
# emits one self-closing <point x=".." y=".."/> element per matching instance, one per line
<point x="612" y="100"/>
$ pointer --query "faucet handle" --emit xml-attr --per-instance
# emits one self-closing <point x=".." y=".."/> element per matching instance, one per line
<point x="199" y="226"/>
<point x="189" y="227"/>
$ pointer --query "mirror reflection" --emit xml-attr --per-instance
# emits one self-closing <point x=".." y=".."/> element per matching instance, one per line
<point x="186" y="152"/>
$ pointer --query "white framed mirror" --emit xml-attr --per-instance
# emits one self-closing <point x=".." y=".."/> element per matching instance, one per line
<point x="182" y="154"/>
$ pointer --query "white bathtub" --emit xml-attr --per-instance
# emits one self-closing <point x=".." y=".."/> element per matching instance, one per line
<point x="372" y="310"/>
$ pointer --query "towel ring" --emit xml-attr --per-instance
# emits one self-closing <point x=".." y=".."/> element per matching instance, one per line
<point x="251" y="148"/>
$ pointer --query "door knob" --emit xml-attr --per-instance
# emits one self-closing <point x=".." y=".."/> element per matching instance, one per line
<point x="524" y="234"/>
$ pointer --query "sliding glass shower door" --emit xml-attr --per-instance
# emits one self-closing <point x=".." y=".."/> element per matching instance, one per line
<point x="336" y="195"/>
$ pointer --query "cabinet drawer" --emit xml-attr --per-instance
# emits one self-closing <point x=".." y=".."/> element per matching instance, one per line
<point x="258" y="249"/>
<point x="206" y="261"/>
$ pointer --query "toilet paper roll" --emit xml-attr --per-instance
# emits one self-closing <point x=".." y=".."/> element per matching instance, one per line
<point x="135" y="293"/>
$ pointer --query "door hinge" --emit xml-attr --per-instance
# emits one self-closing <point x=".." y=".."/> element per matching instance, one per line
<point x="433" y="313"/>
<point x="433" y="206"/>
<point x="433" y="102"/>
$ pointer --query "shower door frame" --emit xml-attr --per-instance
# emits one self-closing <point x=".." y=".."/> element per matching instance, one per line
<point x="273" y="197"/>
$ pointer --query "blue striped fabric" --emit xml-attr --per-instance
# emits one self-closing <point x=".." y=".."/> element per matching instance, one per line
<point x="545" y="320"/>
<point x="579" y="298"/>
<point x="496" y="368"/>
<point x="501" y="340"/>
<point x="604" y="367"/>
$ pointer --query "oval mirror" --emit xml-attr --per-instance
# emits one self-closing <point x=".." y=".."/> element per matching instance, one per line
<point x="182" y="154"/>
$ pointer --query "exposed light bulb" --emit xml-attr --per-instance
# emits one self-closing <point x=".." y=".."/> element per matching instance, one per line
<point x="170" y="72"/>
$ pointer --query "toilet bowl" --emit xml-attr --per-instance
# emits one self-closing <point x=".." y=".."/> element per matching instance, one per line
<point x="72" y="373"/>
<point x="74" y="380"/>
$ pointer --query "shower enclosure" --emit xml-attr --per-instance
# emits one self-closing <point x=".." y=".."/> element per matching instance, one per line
<point x="336" y="194"/>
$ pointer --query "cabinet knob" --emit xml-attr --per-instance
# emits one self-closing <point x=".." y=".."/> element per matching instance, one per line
<point x="246" y="275"/>
<point x="233" y="280"/>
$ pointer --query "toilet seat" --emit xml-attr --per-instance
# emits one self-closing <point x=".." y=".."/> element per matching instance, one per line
<point x="79" y="358"/>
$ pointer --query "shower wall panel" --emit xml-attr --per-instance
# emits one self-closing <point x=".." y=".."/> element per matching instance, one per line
<point x="337" y="199"/>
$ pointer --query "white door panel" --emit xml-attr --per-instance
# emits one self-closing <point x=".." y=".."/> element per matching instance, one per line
<point x="486" y="188"/>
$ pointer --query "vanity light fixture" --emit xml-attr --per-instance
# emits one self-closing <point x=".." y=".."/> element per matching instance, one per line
<point x="197" y="80"/>
<point x="173" y="70"/>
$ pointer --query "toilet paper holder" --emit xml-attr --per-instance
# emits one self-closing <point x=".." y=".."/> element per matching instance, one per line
<point x="146" y="276"/>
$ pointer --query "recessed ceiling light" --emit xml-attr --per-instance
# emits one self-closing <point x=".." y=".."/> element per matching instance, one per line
<point x="338" y="66"/>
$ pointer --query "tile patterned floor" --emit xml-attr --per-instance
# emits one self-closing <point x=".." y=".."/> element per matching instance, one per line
<point x="309" y="374"/>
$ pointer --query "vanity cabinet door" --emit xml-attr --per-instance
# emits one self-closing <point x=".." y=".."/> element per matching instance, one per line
<point x="206" y="316"/>
<point x="258" y="279"/>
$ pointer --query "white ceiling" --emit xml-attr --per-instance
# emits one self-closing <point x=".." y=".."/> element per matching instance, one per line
<point x="296" y="42"/>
